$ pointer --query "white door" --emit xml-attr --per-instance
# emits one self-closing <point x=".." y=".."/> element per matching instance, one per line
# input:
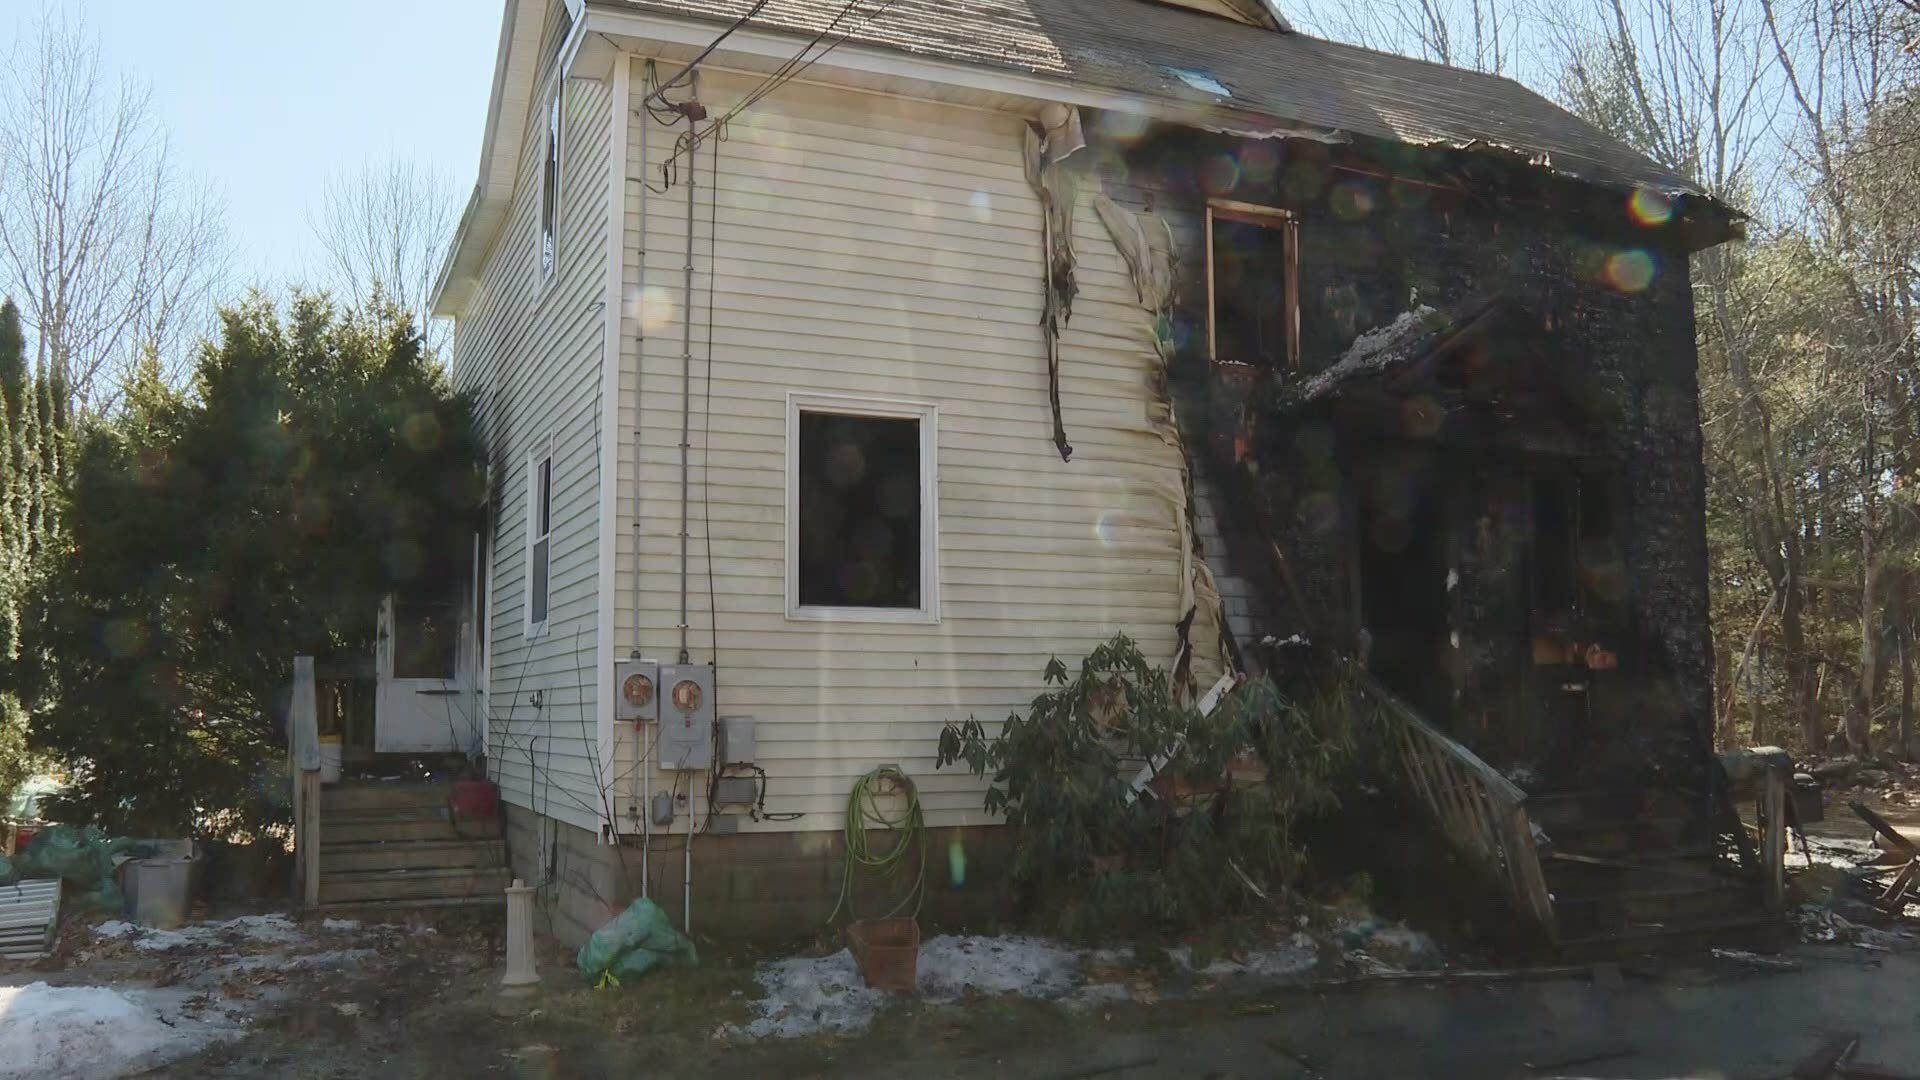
<point x="420" y="704"/>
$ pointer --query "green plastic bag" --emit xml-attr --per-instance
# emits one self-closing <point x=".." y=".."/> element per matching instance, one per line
<point x="634" y="943"/>
<point x="83" y="858"/>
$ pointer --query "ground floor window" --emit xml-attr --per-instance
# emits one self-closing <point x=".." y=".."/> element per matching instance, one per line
<point x="860" y="510"/>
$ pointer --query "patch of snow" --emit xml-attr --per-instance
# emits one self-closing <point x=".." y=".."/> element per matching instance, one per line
<point x="1200" y="81"/>
<point x="1368" y="350"/>
<point x="810" y="996"/>
<point x="256" y="929"/>
<point x="826" y="995"/>
<point x="955" y="966"/>
<point x="339" y="924"/>
<point x="1274" y="962"/>
<point x="337" y="958"/>
<point x="91" y="1032"/>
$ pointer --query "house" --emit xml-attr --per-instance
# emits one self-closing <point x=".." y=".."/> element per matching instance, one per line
<point x="840" y="363"/>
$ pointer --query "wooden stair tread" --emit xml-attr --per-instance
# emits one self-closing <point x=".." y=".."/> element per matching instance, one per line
<point x="1651" y="933"/>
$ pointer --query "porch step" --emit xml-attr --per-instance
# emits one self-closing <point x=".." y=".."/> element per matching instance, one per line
<point x="431" y="884"/>
<point x="384" y="795"/>
<point x="410" y="855"/>
<point x="1751" y="929"/>
<point x="1640" y="836"/>
<point x="1646" y="905"/>
<point x="391" y="828"/>
<point x="1564" y="809"/>
<point x="376" y="909"/>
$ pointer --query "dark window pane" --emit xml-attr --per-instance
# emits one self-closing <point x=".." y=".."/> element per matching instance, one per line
<point x="545" y="511"/>
<point x="1555" y="573"/>
<point x="1250" y="294"/>
<point x="425" y="637"/>
<point x="537" y="590"/>
<point x="859" y="511"/>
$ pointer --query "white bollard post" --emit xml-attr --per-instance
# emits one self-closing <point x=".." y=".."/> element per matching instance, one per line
<point x="520" y="976"/>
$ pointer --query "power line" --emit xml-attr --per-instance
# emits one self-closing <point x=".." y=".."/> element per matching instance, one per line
<point x="759" y="5"/>
<point x="789" y="70"/>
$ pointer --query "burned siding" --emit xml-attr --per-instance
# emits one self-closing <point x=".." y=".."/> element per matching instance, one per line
<point x="1606" y="282"/>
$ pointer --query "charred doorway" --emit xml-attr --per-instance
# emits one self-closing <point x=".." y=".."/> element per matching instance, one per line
<point x="1403" y="576"/>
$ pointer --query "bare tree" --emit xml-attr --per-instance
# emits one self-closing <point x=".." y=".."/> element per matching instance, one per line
<point x="385" y="229"/>
<point x="110" y="254"/>
<point x="1481" y="34"/>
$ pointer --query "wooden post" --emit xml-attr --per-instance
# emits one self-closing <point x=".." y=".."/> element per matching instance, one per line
<point x="303" y="733"/>
<point x="1773" y="836"/>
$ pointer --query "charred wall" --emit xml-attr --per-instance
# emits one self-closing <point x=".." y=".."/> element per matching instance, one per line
<point x="1607" y="279"/>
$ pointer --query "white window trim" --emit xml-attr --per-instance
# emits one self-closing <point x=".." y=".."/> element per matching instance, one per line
<point x="928" y="416"/>
<point x="554" y="144"/>
<point x="542" y="452"/>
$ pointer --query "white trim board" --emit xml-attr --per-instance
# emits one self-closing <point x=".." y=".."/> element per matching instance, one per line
<point x="927" y="415"/>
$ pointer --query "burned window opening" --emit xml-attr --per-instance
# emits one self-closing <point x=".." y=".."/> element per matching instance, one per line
<point x="1253" y="307"/>
<point x="1575" y="544"/>
<point x="860" y="511"/>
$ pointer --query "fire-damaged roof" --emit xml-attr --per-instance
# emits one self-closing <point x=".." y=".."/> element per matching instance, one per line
<point x="1230" y="69"/>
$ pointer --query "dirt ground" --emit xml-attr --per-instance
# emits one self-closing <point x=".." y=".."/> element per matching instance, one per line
<point x="1695" y="1017"/>
<point x="420" y="1000"/>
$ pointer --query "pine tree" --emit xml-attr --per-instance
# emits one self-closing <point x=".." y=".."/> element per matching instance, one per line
<point x="13" y="359"/>
<point x="29" y="459"/>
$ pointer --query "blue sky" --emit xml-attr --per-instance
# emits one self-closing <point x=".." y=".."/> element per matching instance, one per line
<point x="266" y="100"/>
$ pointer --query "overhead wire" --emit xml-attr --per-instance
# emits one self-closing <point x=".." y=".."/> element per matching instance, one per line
<point x="790" y="69"/>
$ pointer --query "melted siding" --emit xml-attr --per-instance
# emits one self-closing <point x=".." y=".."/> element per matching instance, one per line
<point x="874" y="247"/>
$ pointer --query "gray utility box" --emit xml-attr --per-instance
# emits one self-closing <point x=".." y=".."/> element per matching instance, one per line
<point x="636" y="690"/>
<point x="159" y="887"/>
<point x="686" y="716"/>
<point x="736" y="740"/>
<point x="735" y="791"/>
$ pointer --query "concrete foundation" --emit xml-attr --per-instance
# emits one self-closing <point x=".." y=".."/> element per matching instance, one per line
<point x="756" y="886"/>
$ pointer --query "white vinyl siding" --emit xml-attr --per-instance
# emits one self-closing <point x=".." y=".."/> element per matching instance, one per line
<point x="871" y="247"/>
<point x="531" y="350"/>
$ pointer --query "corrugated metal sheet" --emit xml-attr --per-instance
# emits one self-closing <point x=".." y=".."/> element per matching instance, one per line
<point x="27" y="913"/>
<point x="1138" y="46"/>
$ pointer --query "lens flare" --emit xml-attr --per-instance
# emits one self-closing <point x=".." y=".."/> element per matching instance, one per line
<point x="1259" y="161"/>
<point x="1649" y="208"/>
<point x="655" y="310"/>
<point x="1352" y="200"/>
<point x="1220" y="174"/>
<point x="1630" y="271"/>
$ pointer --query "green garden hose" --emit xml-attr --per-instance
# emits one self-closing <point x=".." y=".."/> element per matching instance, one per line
<point x="863" y="814"/>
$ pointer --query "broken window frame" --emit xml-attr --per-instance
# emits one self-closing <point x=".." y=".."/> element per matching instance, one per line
<point x="1267" y="217"/>
<point x="927" y="416"/>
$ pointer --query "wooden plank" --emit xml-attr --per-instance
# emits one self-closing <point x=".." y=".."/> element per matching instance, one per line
<point x="1773" y="841"/>
<point x="1499" y="787"/>
<point x="309" y="853"/>
<point x="1529" y="879"/>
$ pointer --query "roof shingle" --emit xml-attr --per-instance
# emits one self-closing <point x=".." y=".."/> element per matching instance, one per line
<point x="1136" y="46"/>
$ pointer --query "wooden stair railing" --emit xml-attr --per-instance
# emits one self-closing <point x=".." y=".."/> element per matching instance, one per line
<point x="303" y="761"/>
<point x="1481" y="813"/>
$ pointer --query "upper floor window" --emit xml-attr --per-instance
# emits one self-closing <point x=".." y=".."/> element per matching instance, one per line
<point x="550" y="190"/>
<point x="1253" y="297"/>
